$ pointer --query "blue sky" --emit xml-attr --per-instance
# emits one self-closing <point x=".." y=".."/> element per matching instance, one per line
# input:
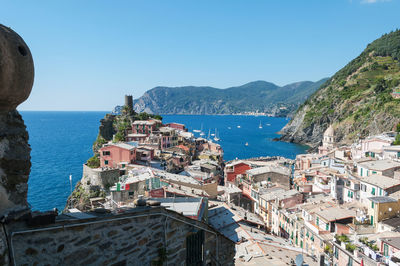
<point x="89" y="54"/>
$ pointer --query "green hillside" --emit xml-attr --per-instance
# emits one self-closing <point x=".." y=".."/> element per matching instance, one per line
<point x="255" y="96"/>
<point x="359" y="100"/>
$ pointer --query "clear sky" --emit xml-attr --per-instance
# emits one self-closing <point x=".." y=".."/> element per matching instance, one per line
<point x="89" y="54"/>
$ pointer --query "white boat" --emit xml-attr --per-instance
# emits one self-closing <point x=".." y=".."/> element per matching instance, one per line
<point x="216" y="136"/>
<point x="238" y="126"/>
<point x="212" y="134"/>
<point x="197" y="130"/>
<point x="268" y="124"/>
<point x="260" y="126"/>
<point x="246" y="144"/>
<point x="229" y="128"/>
<point x="201" y="130"/>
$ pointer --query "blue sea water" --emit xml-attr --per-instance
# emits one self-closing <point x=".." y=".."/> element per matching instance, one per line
<point x="62" y="141"/>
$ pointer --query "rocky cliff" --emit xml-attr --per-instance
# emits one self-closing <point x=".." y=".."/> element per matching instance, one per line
<point x="255" y="96"/>
<point x="361" y="99"/>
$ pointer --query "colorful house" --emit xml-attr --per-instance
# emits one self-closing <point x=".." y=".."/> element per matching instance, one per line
<point x="118" y="155"/>
<point x="233" y="170"/>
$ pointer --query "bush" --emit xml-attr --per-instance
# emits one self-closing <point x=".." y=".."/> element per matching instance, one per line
<point x="94" y="162"/>
<point x="119" y="137"/>
<point x="328" y="249"/>
<point x="350" y="247"/>
<point x="397" y="141"/>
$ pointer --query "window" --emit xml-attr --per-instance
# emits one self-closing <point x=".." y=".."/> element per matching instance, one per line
<point x="351" y="194"/>
<point x="336" y="253"/>
<point x="372" y="204"/>
<point x="194" y="248"/>
<point x="327" y="226"/>
<point x="105" y="153"/>
<point x="106" y="162"/>
<point x="350" y="263"/>
<point x="373" y="191"/>
<point x="380" y="192"/>
<point x="385" y="250"/>
<point x="317" y="221"/>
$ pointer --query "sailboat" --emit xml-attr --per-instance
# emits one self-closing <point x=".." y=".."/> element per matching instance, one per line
<point x="260" y="126"/>
<point x="209" y="131"/>
<point x="201" y="131"/>
<point x="246" y="144"/>
<point x="216" y="136"/>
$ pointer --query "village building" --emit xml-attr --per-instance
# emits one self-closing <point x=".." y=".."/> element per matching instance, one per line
<point x="328" y="141"/>
<point x="391" y="152"/>
<point x="168" y="137"/>
<point x="378" y="167"/>
<point x="373" y="146"/>
<point x="377" y="185"/>
<point x="234" y="170"/>
<point x="146" y="126"/>
<point x="118" y="155"/>
<point x="180" y="127"/>
<point x="381" y="208"/>
<point x="272" y="174"/>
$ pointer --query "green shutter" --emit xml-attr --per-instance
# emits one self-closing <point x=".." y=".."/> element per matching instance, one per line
<point x="327" y="226"/>
<point x="372" y="204"/>
<point x="373" y="191"/>
<point x="118" y="186"/>
<point x="317" y="221"/>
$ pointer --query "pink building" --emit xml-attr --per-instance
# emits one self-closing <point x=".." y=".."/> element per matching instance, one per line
<point x="177" y="126"/>
<point x="169" y="137"/>
<point x="117" y="155"/>
<point x="145" y="127"/>
<point x="374" y="145"/>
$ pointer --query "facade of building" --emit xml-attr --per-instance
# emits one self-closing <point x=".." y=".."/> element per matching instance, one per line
<point x="117" y="155"/>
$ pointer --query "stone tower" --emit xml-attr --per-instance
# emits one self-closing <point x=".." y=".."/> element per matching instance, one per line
<point x="16" y="81"/>
<point x="129" y="101"/>
<point x="329" y="137"/>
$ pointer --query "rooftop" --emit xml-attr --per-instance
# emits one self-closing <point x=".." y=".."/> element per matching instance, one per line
<point x="267" y="169"/>
<point x="124" y="145"/>
<point x="393" y="241"/>
<point x="392" y="148"/>
<point x="383" y="199"/>
<point x="380" y="181"/>
<point x="185" y="206"/>
<point x="336" y="213"/>
<point x="380" y="165"/>
<point x="143" y="122"/>
<point x="393" y="222"/>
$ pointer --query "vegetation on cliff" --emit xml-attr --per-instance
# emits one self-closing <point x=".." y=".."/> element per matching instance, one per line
<point x="255" y="96"/>
<point x="359" y="100"/>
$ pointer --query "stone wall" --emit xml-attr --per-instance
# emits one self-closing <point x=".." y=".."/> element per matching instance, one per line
<point x="98" y="178"/>
<point x="14" y="162"/>
<point x="140" y="236"/>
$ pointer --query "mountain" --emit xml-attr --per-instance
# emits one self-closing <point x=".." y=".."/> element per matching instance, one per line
<point x="255" y="96"/>
<point x="361" y="99"/>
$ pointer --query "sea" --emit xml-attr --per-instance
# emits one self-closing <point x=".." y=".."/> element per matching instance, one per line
<point x="62" y="141"/>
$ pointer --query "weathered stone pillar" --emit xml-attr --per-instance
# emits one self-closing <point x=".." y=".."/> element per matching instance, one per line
<point x="16" y="80"/>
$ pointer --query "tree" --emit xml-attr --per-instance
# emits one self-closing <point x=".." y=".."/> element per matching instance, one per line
<point x="119" y="137"/>
<point x="397" y="140"/>
<point x="94" y="162"/>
